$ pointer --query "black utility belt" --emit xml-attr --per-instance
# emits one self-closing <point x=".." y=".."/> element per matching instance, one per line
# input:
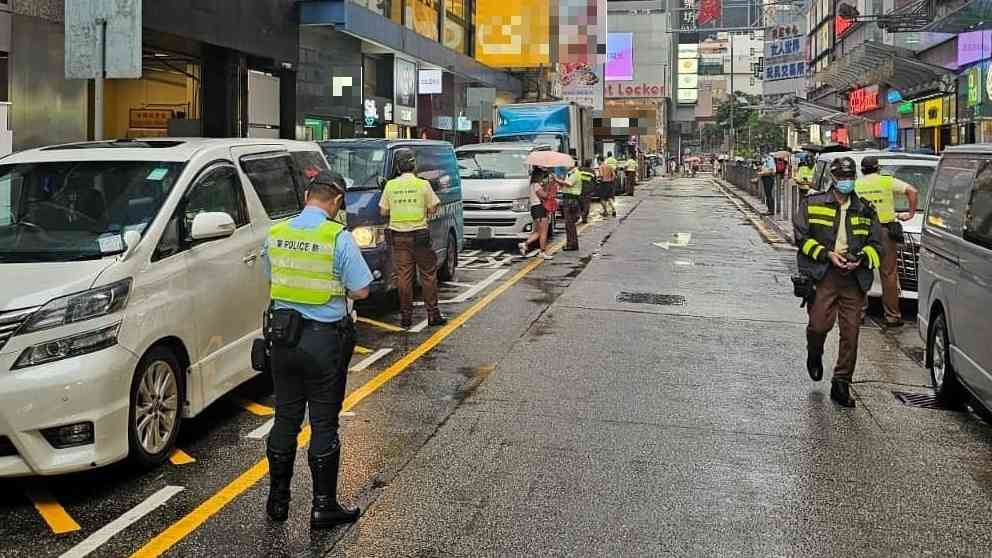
<point x="572" y="196"/>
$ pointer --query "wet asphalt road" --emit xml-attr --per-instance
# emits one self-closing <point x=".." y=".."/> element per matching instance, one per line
<point x="560" y="420"/>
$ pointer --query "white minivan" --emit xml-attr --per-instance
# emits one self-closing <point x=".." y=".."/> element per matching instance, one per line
<point x="131" y="289"/>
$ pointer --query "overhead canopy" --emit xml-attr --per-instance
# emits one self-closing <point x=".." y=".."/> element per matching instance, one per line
<point x="974" y="15"/>
<point x="870" y="63"/>
<point x="811" y="113"/>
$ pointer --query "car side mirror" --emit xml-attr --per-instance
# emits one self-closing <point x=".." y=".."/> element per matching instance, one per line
<point x="212" y="224"/>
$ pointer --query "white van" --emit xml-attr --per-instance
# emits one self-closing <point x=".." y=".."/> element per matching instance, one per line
<point x="496" y="189"/>
<point x="132" y="289"/>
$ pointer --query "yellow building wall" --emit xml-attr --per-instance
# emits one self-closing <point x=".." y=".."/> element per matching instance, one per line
<point x="156" y="89"/>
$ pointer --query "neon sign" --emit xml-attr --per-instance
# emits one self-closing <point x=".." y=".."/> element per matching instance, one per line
<point x="865" y="99"/>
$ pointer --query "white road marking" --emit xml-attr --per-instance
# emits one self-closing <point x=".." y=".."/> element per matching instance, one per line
<point x="462" y="285"/>
<point x="464" y="263"/>
<point x="370" y="360"/>
<point x="470" y="254"/>
<point x="262" y="431"/>
<point x="418" y="327"/>
<point x="104" y="534"/>
<point x="478" y="287"/>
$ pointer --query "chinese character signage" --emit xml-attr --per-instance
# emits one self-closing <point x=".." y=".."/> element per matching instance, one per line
<point x="864" y="100"/>
<point x="687" y="15"/>
<point x="788" y="70"/>
<point x="784" y="47"/>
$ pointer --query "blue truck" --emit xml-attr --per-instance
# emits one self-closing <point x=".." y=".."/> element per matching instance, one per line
<point x="561" y="124"/>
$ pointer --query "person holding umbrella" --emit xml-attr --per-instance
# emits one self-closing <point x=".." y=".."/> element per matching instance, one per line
<point x="543" y="197"/>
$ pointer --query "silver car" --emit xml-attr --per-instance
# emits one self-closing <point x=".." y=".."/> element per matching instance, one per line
<point x="956" y="276"/>
<point x="496" y="189"/>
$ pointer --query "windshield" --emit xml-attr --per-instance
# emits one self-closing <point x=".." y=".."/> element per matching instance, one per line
<point x="78" y="210"/>
<point x="360" y="166"/>
<point x="914" y="175"/>
<point x="492" y="164"/>
<point x="542" y="139"/>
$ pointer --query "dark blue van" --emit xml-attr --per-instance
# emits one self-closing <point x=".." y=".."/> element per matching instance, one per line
<point x="366" y="165"/>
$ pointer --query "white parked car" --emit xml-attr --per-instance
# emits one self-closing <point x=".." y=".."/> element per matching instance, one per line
<point x="131" y="290"/>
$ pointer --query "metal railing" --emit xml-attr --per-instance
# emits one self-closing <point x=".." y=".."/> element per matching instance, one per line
<point x="787" y="195"/>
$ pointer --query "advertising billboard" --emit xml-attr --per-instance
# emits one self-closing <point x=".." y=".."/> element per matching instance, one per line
<point x="582" y="46"/>
<point x="620" y="57"/>
<point x="513" y="33"/>
<point x="974" y="46"/>
<point x="405" y="92"/>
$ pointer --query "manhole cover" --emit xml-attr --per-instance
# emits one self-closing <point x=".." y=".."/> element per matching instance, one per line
<point x="651" y="298"/>
<point x="921" y="400"/>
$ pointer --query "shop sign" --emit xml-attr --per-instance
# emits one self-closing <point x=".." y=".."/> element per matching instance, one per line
<point x="784" y="71"/>
<point x="933" y="113"/>
<point x="429" y="82"/>
<point x="445" y="123"/>
<point x="464" y="124"/>
<point x="893" y="96"/>
<point x="905" y="107"/>
<point x="371" y="114"/>
<point x="841" y="25"/>
<point x="974" y="86"/>
<point x="630" y="91"/>
<point x="988" y="80"/>
<point x="864" y="100"/>
<point x="150" y="118"/>
<point x="405" y="91"/>
<point x="784" y="47"/>
<point x="840" y="136"/>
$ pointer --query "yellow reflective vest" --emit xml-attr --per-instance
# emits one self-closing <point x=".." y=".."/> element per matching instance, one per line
<point x="574" y="181"/>
<point x="303" y="263"/>
<point x="805" y="177"/>
<point x="877" y="189"/>
<point x="407" y="202"/>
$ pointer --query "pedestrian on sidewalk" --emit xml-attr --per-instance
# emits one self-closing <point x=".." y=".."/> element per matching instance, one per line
<point x="588" y="187"/>
<point x="409" y="201"/>
<point x="880" y="191"/>
<point x="539" y="191"/>
<point x="840" y="245"/>
<point x="607" y="177"/>
<point x="315" y="267"/>
<point x="767" y="176"/>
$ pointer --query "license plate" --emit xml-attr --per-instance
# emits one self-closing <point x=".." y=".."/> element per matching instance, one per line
<point x="484" y="233"/>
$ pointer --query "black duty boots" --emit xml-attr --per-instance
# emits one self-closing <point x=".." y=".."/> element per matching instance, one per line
<point x="437" y="319"/>
<point x="281" y="475"/>
<point x="814" y="365"/>
<point x="840" y="392"/>
<point x="326" y="511"/>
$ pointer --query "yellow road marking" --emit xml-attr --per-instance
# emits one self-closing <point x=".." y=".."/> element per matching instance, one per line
<point x="381" y="325"/>
<point x="179" y="530"/>
<point x="179" y="457"/>
<point x="363" y="350"/>
<point x="255" y="408"/>
<point x="51" y="511"/>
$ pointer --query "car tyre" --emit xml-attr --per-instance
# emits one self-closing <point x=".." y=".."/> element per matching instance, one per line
<point x="155" y="411"/>
<point x="942" y="376"/>
<point x="447" y="270"/>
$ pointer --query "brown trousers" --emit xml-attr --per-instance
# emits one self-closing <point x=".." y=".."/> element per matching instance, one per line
<point x="889" y="274"/>
<point x="630" y="182"/>
<point x="409" y="256"/>
<point x="839" y="299"/>
<point x="571" y="209"/>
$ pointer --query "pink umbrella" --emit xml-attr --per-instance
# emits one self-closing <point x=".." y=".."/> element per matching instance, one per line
<point x="549" y="159"/>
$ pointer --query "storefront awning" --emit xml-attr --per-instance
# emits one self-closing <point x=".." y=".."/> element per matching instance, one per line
<point x="814" y="113"/>
<point x="870" y="63"/>
<point x="974" y="15"/>
<point x="348" y="17"/>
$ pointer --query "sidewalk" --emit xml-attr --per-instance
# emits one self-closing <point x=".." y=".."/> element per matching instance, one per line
<point x="776" y="222"/>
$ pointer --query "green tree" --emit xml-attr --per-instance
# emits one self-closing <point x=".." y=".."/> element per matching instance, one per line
<point x="712" y="136"/>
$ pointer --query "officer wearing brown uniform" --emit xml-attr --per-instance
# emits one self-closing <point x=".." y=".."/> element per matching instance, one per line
<point x="409" y="201"/>
<point x="839" y="239"/>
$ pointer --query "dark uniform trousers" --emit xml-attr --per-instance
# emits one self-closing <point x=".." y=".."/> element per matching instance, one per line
<point x="409" y="255"/>
<point x="889" y="274"/>
<point x="571" y="209"/>
<point x="838" y="298"/>
<point x="314" y="374"/>
<point x="631" y="181"/>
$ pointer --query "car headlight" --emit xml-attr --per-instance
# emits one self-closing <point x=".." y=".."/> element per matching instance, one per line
<point x="521" y="205"/>
<point x="78" y="307"/>
<point x="369" y="237"/>
<point x="75" y="345"/>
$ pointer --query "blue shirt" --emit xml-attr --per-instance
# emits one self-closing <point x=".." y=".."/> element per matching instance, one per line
<point x="349" y="266"/>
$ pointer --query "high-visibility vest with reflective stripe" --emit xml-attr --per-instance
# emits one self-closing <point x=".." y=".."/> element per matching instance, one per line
<point x="302" y="262"/>
<point x="631" y="165"/>
<point x="407" y="202"/>
<point x="612" y="162"/>
<point x="575" y="188"/>
<point x="805" y="175"/>
<point x="877" y="189"/>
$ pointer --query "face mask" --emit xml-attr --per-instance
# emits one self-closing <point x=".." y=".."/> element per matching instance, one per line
<point x="844" y="186"/>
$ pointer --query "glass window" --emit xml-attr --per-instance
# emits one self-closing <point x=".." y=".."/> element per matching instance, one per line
<point x="484" y="165"/>
<point x="219" y="190"/>
<point x="978" y="224"/>
<point x="425" y="17"/>
<point x="78" y="209"/>
<point x="360" y="166"/>
<point x="950" y="188"/>
<point x="308" y="165"/>
<point x="918" y="177"/>
<point x="272" y="177"/>
<point x="436" y="165"/>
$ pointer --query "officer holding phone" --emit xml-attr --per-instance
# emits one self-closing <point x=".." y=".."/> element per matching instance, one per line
<point x="409" y="201"/>
<point x="315" y="267"/>
<point x="840" y="244"/>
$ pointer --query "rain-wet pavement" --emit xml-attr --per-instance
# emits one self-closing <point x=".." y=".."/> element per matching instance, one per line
<point x="565" y="420"/>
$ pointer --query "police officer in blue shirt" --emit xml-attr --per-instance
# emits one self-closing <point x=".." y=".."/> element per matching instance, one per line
<point x="315" y="269"/>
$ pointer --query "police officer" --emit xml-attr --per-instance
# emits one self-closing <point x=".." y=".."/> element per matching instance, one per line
<point x="804" y="174"/>
<point x="315" y="267"/>
<point x="571" y="207"/>
<point x="409" y="201"/>
<point x="631" y="171"/>
<point x="839" y="240"/>
<point x="612" y="162"/>
<point x="880" y="190"/>
<point x="589" y="186"/>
